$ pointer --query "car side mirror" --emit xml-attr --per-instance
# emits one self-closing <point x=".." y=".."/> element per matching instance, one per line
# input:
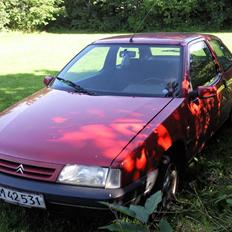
<point x="203" y="92"/>
<point x="47" y="80"/>
<point x="207" y="91"/>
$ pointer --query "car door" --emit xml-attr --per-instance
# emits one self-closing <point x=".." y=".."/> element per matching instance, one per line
<point x="206" y="112"/>
<point x="224" y="58"/>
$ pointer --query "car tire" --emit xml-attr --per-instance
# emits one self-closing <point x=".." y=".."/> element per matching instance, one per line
<point x="167" y="182"/>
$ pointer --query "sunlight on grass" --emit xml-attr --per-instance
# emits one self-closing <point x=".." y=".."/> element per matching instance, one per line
<point x="26" y="58"/>
<point x="30" y="52"/>
<point x="26" y="53"/>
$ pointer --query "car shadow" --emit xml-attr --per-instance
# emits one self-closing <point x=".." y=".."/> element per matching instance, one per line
<point x="215" y="157"/>
<point x="16" y="218"/>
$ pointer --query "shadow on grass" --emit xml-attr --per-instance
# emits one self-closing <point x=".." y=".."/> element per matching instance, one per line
<point x="215" y="159"/>
<point x="15" y="218"/>
<point x="15" y="87"/>
<point x="202" y="205"/>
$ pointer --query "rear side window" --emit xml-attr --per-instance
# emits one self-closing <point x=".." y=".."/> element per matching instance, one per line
<point x="202" y="67"/>
<point x="159" y="51"/>
<point x="223" y="54"/>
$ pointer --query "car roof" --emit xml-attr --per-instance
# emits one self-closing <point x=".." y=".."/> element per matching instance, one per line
<point x="174" y="38"/>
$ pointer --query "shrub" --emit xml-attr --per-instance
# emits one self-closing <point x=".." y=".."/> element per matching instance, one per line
<point x="105" y="15"/>
<point x="116" y="15"/>
<point x="136" y="217"/>
<point x="28" y="15"/>
<point x="3" y="16"/>
<point x="119" y="15"/>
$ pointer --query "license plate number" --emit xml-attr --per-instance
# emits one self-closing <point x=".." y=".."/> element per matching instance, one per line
<point x="22" y="198"/>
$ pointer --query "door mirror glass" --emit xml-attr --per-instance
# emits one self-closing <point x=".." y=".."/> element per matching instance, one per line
<point x="48" y="79"/>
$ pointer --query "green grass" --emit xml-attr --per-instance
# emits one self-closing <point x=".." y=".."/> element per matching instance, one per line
<point x="26" y="58"/>
<point x="204" y="203"/>
<point x="202" y="206"/>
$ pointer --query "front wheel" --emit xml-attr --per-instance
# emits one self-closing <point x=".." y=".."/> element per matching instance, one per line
<point x="167" y="182"/>
<point x="170" y="185"/>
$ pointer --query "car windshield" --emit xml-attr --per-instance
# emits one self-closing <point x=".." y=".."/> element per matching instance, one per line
<point x="123" y="69"/>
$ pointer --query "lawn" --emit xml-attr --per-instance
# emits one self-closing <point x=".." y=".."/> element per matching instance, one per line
<point x="26" y="58"/>
<point x="204" y="203"/>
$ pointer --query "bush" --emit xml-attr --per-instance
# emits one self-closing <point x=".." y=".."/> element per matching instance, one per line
<point x="122" y="15"/>
<point x="116" y="15"/>
<point x="28" y="15"/>
<point x="3" y="16"/>
<point x="136" y="217"/>
<point x="104" y="15"/>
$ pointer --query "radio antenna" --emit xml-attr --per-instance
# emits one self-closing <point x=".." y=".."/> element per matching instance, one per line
<point x="141" y="23"/>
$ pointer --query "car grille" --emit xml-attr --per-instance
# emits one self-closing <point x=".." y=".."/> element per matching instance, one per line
<point x="29" y="169"/>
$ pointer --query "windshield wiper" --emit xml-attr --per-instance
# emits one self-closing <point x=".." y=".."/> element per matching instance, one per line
<point x="77" y="87"/>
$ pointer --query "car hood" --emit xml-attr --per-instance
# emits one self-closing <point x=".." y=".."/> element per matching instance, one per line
<point x="61" y="127"/>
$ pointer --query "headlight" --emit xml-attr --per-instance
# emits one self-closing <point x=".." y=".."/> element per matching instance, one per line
<point x="114" y="179"/>
<point x="90" y="176"/>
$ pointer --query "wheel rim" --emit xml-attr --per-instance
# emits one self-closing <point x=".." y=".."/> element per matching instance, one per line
<point x="169" y="186"/>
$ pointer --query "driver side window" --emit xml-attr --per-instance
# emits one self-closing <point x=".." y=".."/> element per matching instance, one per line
<point x="223" y="54"/>
<point x="202" y="67"/>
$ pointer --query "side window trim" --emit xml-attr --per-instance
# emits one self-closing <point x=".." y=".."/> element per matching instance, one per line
<point x="216" y="80"/>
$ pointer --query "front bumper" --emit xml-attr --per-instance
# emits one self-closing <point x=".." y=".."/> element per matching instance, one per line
<point x="74" y="196"/>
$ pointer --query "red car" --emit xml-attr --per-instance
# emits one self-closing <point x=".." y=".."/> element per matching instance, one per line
<point x="123" y="118"/>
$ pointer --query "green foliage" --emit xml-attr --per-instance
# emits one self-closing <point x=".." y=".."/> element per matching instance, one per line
<point x="139" y="214"/>
<point x="144" y="15"/>
<point x="164" y="226"/>
<point x="152" y="202"/>
<point x="115" y="15"/>
<point x="121" y="209"/>
<point x="104" y="15"/>
<point x="28" y="15"/>
<point x="229" y="201"/>
<point x="123" y="226"/>
<point x="3" y="16"/>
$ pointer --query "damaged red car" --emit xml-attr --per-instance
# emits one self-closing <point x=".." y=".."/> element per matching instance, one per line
<point x="123" y="118"/>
